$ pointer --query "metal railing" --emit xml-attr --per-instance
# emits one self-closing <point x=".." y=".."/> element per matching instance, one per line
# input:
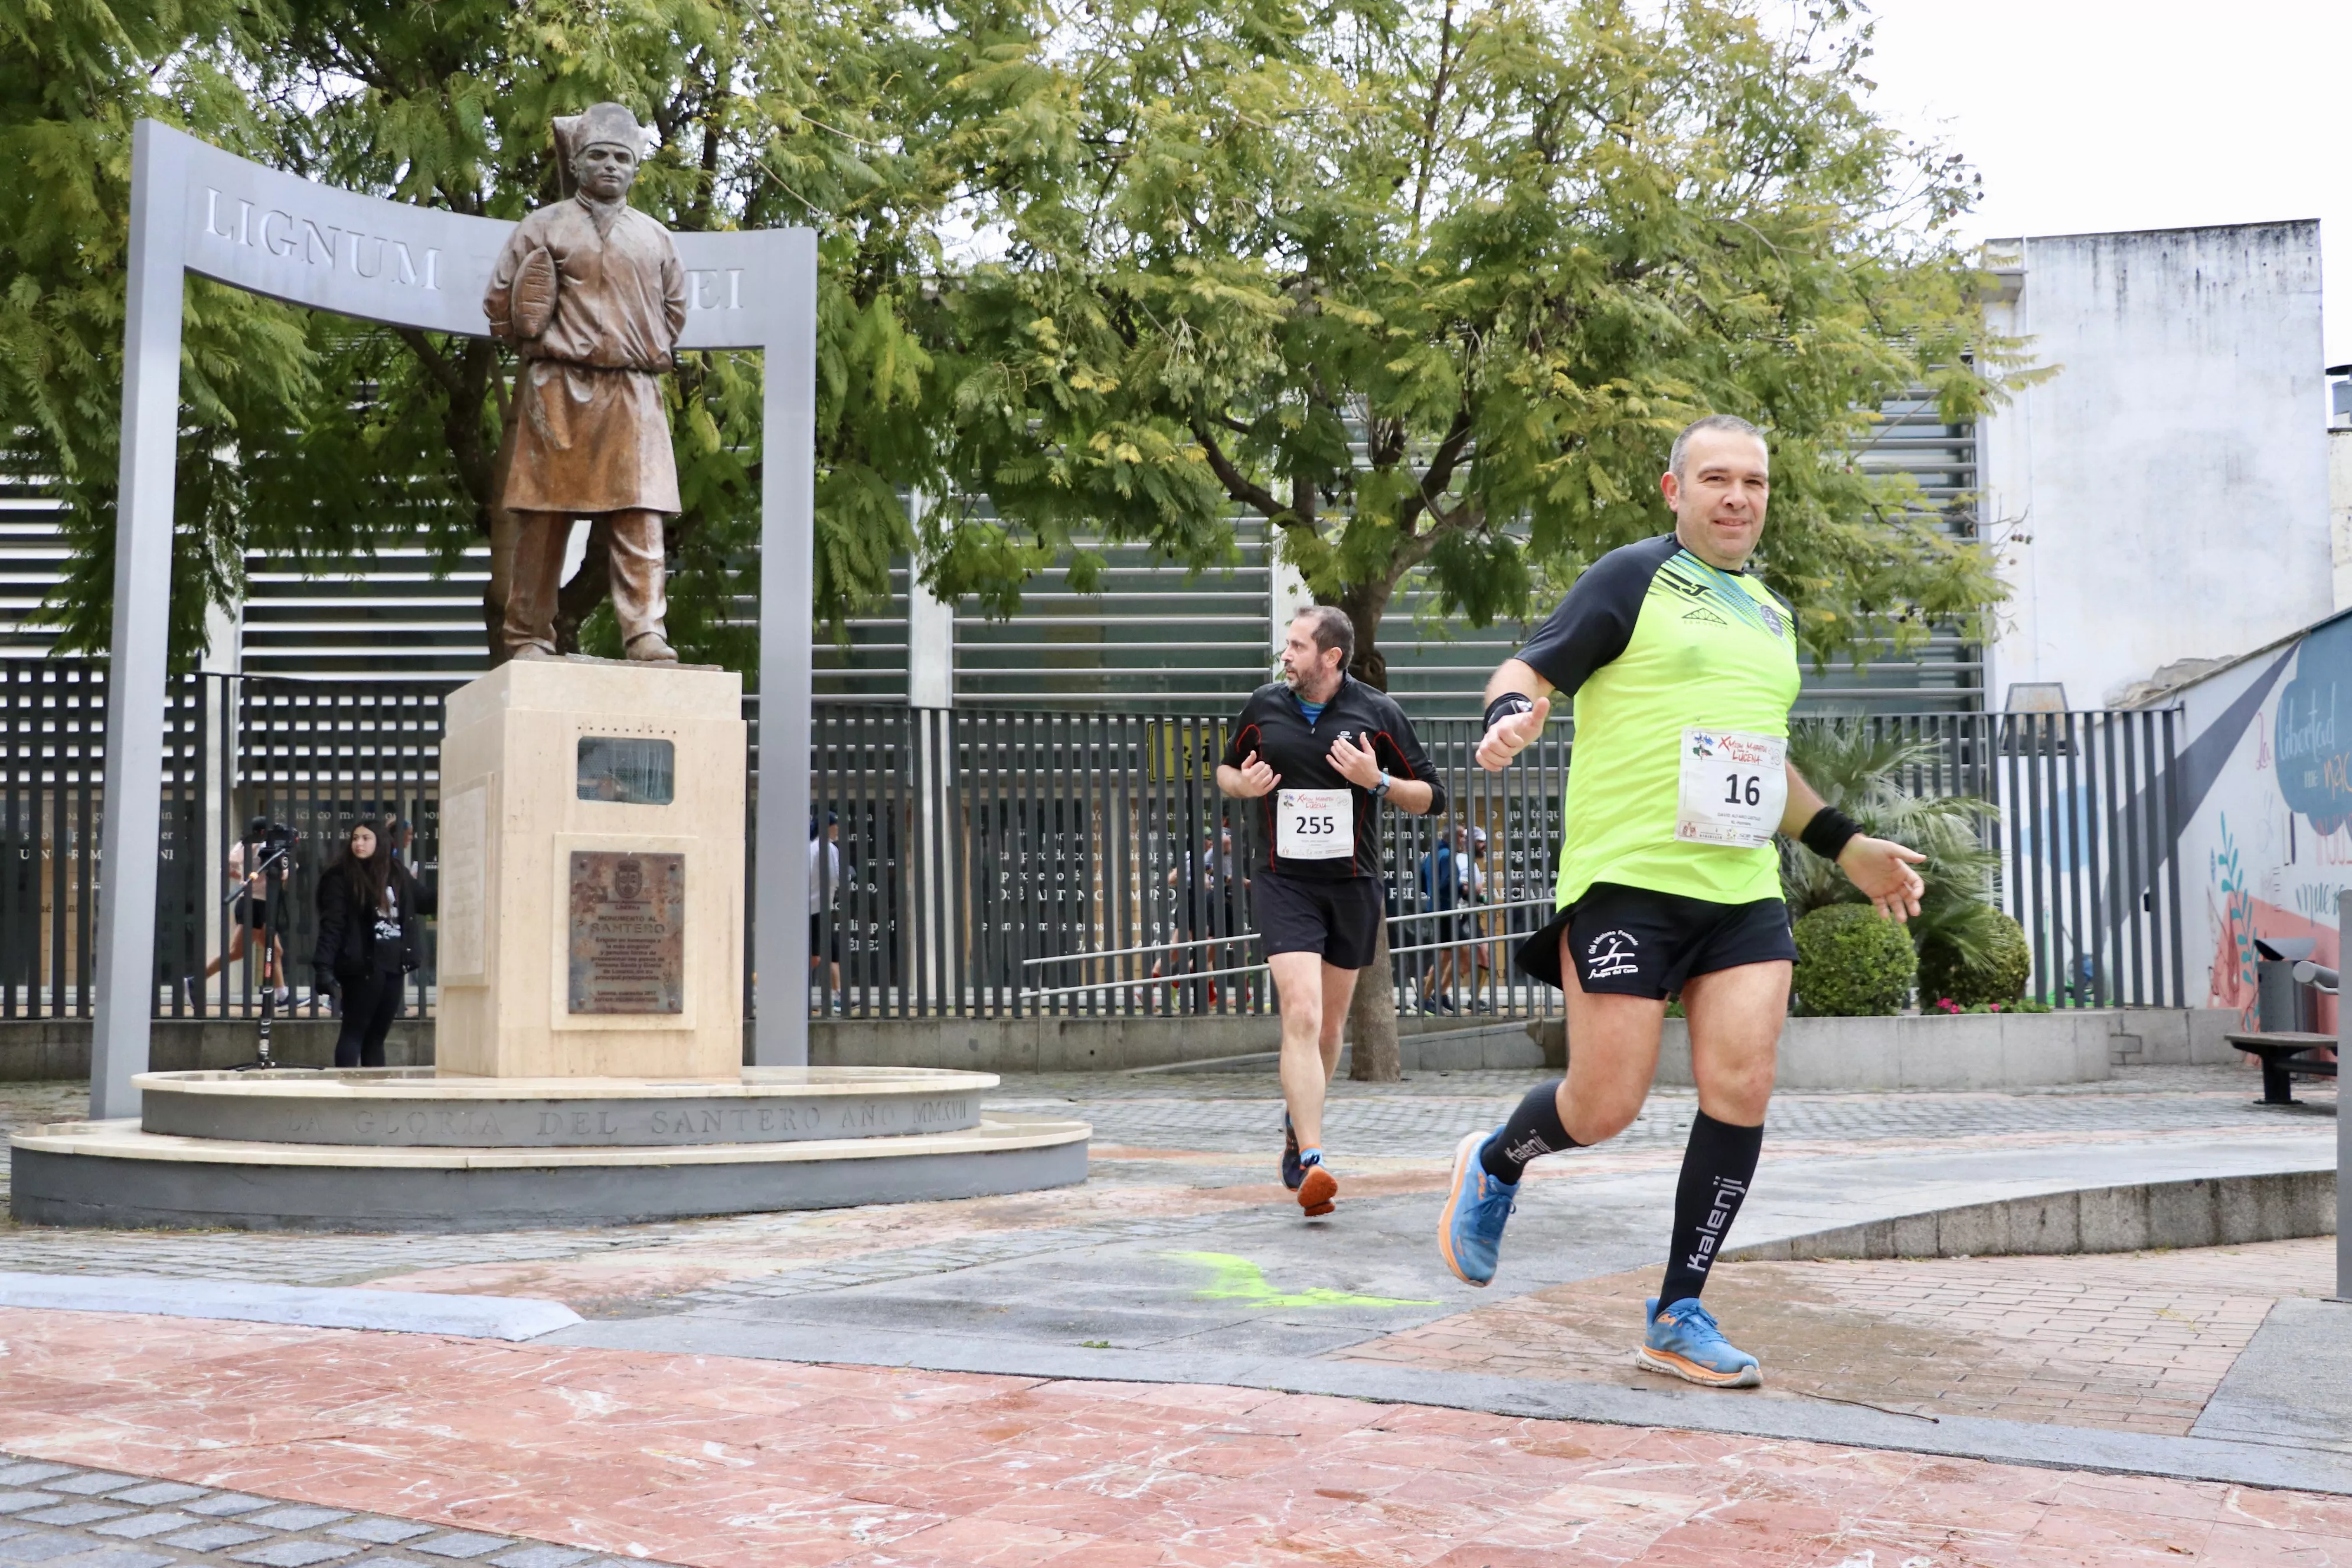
<point x="1002" y="862"/>
<point x="1011" y="863"/>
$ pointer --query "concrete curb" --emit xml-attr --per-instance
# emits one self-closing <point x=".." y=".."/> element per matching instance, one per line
<point x="394" y="1312"/>
<point x="2214" y="1211"/>
<point x="1757" y="1414"/>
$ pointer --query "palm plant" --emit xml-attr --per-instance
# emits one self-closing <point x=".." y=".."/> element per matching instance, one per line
<point x="1865" y="773"/>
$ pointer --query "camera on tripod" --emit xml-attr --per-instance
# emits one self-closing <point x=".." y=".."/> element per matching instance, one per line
<point x="275" y="844"/>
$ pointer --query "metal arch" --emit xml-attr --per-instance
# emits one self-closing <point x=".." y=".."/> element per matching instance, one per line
<point x="196" y="208"/>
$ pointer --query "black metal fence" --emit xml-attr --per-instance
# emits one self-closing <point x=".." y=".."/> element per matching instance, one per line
<point x="987" y="862"/>
<point x="1008" y="863"/>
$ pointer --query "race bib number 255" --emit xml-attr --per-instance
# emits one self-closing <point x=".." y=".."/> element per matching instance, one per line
<point x="1314" y="824"/>
<point x="1734" y="788"/>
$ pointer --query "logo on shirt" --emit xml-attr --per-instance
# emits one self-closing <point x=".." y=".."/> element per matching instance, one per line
<point x="1772" y="621"/>
<point x="1611" y="952"/>
<point x="1684" y="585"/>
<point x="1704" y="614"/>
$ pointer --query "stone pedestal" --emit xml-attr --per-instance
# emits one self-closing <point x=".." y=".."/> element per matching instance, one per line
<point x="591" y="1031"/>
<point x="592" y="873"/>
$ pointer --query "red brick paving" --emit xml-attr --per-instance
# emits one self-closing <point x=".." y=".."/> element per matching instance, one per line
<point x="705" y="1460"/>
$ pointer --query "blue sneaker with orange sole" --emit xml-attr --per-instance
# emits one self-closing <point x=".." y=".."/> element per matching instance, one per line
<point x="1293" y="1173"/>
<point x="1477" y="1206"/>
<point x="1685" y="1340"/>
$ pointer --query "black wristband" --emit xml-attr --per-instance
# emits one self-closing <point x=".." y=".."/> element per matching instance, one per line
<point x="1829" y="832"/>
<point x="1508" y="703"/>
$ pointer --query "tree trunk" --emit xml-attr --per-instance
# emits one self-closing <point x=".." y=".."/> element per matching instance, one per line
<point x="1366" y="603"/>
<point x="1372" y="1020"/>
<point x="1371" y="1011"/>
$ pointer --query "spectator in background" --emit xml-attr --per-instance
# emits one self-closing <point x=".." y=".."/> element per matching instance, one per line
<point x="824" y="901"/>
<point x="1446" y="873"/>
<point x="368" y="942"/>
<point x="252" y="914"/>
<point x="403" y="834"/>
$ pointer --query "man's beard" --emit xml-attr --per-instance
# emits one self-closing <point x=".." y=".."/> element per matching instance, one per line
<point x="1298" y="681"/>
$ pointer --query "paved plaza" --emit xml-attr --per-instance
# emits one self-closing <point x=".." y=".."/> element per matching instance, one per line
<point x="1168" y="1365"/>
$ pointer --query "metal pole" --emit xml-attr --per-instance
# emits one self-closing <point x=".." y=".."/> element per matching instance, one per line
<point x="142" y="617"/>
<point x="787" y="608"/>
<point x="2343" y="1124"/>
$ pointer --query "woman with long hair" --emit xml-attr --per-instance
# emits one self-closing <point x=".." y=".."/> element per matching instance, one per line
<point x="367" y="941"/>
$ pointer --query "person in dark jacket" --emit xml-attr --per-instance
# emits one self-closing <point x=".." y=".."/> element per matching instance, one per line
<point x="368" y="941"/>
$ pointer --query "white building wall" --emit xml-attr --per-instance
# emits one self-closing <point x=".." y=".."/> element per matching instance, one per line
<point x="2163" y="496"/>
<point x="2339" y="511"/>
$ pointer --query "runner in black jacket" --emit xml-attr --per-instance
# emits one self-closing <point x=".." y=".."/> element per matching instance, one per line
<point x="1319" y="751"/>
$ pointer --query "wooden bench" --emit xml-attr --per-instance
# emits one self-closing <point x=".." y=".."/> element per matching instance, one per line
<point x="2285" y="1058"/>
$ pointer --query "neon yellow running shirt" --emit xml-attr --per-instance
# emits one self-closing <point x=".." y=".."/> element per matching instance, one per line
<point x="1652" y="641"/>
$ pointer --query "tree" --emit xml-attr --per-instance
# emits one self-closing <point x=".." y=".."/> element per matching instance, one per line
<point x="315" y="438"/>
<point x="73" y="79"/>
<point x="1430" y="289"/>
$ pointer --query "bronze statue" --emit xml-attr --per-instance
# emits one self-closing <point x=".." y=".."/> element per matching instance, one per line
<point x="590" y="293"/>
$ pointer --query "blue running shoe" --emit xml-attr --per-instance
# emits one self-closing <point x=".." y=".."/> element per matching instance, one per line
<point x="1470" y="1231"/>
<point x="1293" y="1173"/>
<point x="1685" y="1341"/>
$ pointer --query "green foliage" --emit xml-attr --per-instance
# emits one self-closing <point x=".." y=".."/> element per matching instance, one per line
<point x="1852" y="962"/>
<point x="74" y="76"/>
<point x="1884" y="781"/>
<point x="311" y="437"/>
<point x="1432" y="289"/>
<point x="1428" y="290"/>
<point x="1998" y="974"/>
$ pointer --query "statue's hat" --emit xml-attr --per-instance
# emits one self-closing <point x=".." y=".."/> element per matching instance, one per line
<point x="599" y="123"/>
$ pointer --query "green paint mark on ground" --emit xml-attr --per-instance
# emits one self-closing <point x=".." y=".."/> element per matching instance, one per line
<point x="1239" y="1279"/>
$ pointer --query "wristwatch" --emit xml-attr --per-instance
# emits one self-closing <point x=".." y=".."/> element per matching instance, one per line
<point x="1380" y="790"/>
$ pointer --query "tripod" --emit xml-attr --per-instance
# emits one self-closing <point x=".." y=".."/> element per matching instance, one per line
<point x="271" y="869"/>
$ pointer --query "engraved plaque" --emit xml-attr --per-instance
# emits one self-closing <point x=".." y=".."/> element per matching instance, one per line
<point x="629" y="932"/>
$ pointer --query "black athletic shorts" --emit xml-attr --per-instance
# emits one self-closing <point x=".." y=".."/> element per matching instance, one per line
<point x="252" y="912"/>
<point x="1629" y="941"/>
<point x="1340" y="920"/>
<point x="818" y="937"/>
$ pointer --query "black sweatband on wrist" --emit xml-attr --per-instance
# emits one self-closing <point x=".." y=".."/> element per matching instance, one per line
<point x="1829" y="833"/>
<point x="1508" y="703"/>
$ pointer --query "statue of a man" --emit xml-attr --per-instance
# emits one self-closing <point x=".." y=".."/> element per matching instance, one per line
<point x="590" y="293"/>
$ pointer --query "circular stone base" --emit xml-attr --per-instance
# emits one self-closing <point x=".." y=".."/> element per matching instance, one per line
<point x="413" y="1107"/>
<point x="115" y="1173"/>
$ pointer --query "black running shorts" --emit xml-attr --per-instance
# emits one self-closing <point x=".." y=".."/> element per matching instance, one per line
<point x="1629" y="941"/>
<point x="1339" y="920"/>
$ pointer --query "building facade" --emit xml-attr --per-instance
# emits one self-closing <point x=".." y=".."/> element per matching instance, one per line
<point x="2161" y="497"/>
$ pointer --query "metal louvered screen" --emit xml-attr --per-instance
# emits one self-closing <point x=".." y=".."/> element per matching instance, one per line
<point x="1009" y="861"/>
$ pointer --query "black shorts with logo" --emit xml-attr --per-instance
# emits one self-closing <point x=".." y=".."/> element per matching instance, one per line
<point x="1631" y="942"/>
<point x="1339" y="918"/>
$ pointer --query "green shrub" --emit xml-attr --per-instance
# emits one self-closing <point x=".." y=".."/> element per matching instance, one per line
<point x="1996" y="973"/>
<point x="1852" y="963"/>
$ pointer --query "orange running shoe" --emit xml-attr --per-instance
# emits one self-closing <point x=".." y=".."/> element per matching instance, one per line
<point x="1315" y="1193"/>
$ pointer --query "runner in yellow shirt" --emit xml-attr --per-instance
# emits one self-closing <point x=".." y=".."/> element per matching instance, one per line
<point x="1682" y="666"/>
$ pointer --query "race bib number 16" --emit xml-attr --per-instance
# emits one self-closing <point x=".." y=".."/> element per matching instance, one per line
<point x="1734" y="788"/>
<point x="1314" y="824"/>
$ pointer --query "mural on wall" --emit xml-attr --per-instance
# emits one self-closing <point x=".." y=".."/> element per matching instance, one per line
<point x="2233" y="958"/>
<point x="2311" y="736"/>
<point x="2267" y="788"/>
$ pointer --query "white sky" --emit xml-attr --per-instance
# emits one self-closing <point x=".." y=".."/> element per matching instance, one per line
<point x="2092" y="115"/>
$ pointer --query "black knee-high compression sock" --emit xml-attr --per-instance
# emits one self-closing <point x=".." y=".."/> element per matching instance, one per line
<point x="1534" y="1128"/>
<point x="1717" y="1167"/>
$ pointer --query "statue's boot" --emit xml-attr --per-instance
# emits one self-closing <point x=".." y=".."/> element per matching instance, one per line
<point x="652" y="647"/>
